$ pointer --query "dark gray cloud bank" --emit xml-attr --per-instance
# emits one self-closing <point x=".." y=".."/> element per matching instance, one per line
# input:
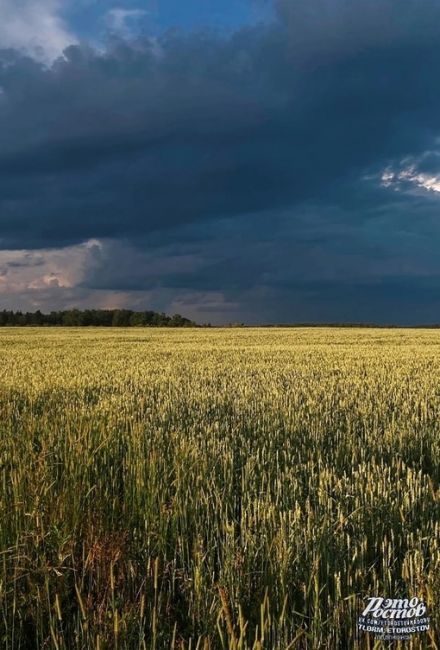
<point x="287" y="172"/>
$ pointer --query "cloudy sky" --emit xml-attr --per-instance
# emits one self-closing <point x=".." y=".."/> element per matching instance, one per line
<point x="231" y="160"/>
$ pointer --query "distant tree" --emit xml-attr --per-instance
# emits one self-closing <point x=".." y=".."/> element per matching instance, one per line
<point x="137" y="319"/>
<point x="179" y="321"/>
<point x="121" y="318"/>
<point x="20" y="318"/>
<point x="93" y="317"/>
<point x="71" y="317"/>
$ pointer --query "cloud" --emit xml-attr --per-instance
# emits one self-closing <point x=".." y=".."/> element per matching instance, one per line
<point x="231" y="173"/>
<point x="24" y="271"/>
<point x="53" y="278"/>
<point x="211" y="128"/>
<point x="409" y="176"/>
<point x="34" y="27"/>
<point x="125" y="23"/>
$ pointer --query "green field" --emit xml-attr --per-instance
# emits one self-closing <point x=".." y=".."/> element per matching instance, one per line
<point x="215" y="488"/>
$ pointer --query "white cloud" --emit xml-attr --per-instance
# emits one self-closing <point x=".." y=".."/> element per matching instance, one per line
<point x="426" y="181"/>
<point x="23" y="271"/>
<point x="34" y="27"/>
<point x="124" y="22"/>
<point x="409" y="174"/>
<point x="387" y="178"/>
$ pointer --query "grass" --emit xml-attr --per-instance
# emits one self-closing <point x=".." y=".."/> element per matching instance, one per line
<point x="202" y="489"/>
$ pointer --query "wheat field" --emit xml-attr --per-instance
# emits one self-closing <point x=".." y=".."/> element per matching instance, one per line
<point x="215" y="488"/>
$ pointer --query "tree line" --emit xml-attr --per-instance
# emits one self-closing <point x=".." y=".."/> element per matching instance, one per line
<point x="94" y="317"/>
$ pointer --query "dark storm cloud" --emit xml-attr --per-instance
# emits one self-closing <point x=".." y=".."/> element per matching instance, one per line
<point x="330" y="266"/>
<point x="147" y="137"/>
<point x="236" y="165"/>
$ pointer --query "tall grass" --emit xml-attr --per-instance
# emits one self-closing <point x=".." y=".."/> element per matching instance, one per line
<point x="204" y="489"/>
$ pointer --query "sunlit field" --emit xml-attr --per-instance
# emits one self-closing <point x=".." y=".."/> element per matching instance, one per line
<point x="215" y="488"/>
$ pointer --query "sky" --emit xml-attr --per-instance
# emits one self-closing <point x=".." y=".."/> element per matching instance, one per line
<point x="257" y="161"/>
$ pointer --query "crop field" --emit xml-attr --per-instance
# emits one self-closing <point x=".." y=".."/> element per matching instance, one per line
<point x="215" y="488"/>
